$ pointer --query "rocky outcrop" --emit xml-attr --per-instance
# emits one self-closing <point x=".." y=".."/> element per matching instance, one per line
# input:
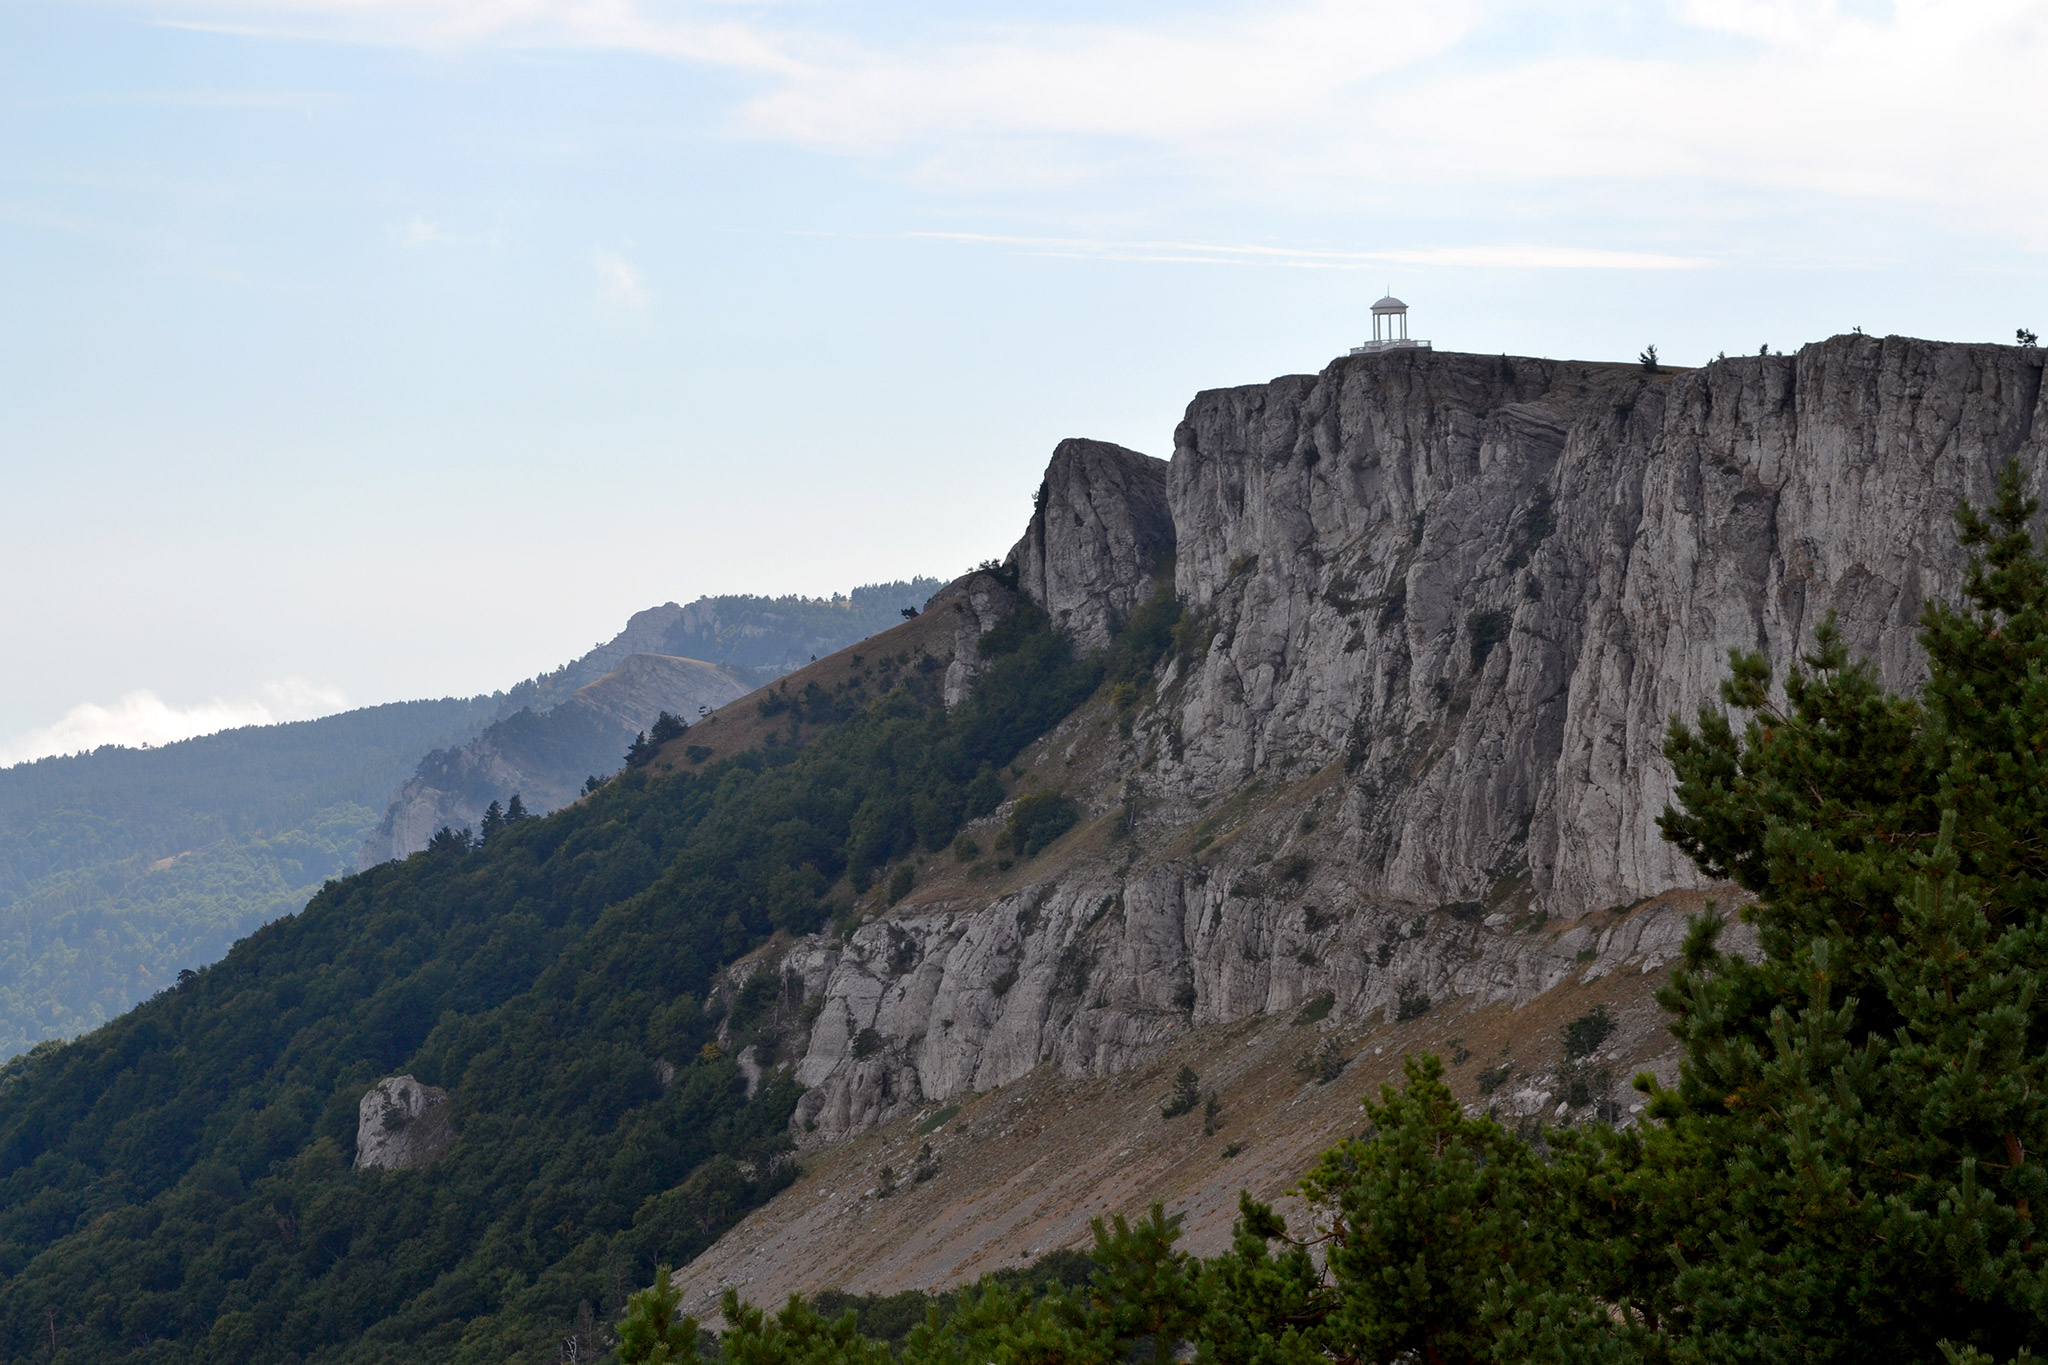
<point x="1444" y="607"/>
<point x="402" y="1124"/>
<point x="545" y="756"/>
<point x="1100" y="532"/>
<point x="975" y="602"/>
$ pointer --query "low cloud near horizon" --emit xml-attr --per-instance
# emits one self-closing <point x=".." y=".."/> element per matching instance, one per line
<point x="143" y="718"/>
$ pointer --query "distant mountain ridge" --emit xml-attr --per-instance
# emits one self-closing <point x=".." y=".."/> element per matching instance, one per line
<point x="121" y="867"/>
<point x="577" y="722"/>
<point x="775" y="634"/>
<point x="545" y="756"/>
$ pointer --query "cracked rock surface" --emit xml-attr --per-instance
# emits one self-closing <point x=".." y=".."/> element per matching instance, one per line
<point x="1442" y="609"/>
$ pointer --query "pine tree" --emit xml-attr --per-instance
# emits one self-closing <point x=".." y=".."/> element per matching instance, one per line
<point x="494" y="820"/>
<point x="1435" y="1223"/>
<point x="515" y="810"/>
<point x="1262" y="1307"/>
<point x="1187" y="1093"/>
<point x="1860" y="1122"/>
<point x="797" y="1334"/>
<point x="651" y="1333"/>
<point x="1144" y="1286"/>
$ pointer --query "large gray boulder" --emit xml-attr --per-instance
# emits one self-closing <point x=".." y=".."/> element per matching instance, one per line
<point x="402" y="1124"/>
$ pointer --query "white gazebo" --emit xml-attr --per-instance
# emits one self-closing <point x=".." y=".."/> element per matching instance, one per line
<point x="1389" y="329"/>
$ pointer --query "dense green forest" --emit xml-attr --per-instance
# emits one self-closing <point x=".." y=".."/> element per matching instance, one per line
<point x="120" y="867"/>
<point x="177" y="1185"/>
<point x="1849" y="1168"/>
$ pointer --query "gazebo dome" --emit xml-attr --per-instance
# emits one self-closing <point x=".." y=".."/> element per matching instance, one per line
<point x="1389" y="329"/>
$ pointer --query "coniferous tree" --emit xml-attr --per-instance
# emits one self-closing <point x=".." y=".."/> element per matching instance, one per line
<point x="1859" y="1122"/>
<point x="652" y="1332"/>
<point x="1261" y="1306"/>
<point x="1142" y="1285"/>
<point x="1187" y="1093"/>
<point x="1435" y="1223"/>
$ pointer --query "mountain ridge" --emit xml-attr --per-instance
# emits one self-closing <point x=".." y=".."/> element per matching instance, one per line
<point x="1391" y="724"/>
<point x="1462" y="593"/>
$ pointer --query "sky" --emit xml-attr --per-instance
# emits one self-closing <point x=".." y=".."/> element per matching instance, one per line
<point x="359" y="350"/>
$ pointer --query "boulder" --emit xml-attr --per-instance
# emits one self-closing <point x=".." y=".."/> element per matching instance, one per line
<point x="402" y="1124"/>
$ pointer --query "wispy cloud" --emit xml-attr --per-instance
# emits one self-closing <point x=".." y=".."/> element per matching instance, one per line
<point x="614" y="24"/>
<point x="1514" y="257"/>
<point x="1264" y="68"/>
<point x="143" y="718"/>
<point x="422" y="232"/>
<point x="620" y="281"/>
<point x="1929" y="102"/>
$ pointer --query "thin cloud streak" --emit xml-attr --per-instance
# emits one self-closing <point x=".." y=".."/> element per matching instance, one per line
<point x="1929" y="103"/>
<point x="1509" y="257"/>
<point x="614" y="25"/>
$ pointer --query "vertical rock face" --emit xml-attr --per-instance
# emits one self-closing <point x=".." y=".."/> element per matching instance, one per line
<point x="402" y="1124"/>
<point x="1444" y="607"/>
<point x="1102" y="529"/>
<point x="1488" y="583"/>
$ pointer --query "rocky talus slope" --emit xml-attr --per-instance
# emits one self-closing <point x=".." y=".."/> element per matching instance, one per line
<point x="1408" y="757"/>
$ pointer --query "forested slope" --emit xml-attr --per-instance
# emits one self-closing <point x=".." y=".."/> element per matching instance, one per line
<point x="120" y="867"/>
<point x="177" y="1185"/>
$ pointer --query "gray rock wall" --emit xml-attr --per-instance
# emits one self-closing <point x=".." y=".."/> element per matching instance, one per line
<point x="1450" y="603"/>
<point x="1101" y="530"/>
<point x="1489" y="582"/>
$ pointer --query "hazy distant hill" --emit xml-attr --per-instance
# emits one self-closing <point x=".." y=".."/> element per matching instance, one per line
<point x="545" y="756"/>
<point x="577" y="722"/>
<point x="773" y="634"/>
<point x="122" y="866"/>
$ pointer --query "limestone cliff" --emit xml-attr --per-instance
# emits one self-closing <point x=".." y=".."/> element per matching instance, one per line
<point x="1443" y="607"/>
<point x="1100" y="531"/>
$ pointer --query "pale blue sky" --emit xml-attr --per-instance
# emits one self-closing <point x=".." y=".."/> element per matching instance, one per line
<point x="365" y="349"/>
